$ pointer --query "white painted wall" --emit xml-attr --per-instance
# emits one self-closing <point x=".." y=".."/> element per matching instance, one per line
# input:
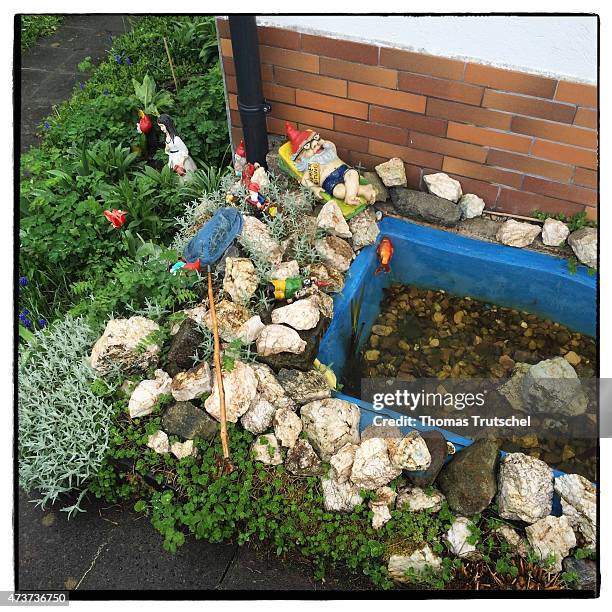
<point x="558" y="46"/>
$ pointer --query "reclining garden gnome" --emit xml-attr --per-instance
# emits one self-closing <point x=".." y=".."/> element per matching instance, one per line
<point x="323" y="171"/>
<point x="177" y="151"/>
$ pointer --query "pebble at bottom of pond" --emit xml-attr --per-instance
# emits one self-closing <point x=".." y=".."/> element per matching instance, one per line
<point x="431" y="334"/>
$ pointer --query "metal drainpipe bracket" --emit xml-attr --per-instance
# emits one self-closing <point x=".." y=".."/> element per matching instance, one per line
<point x="265" y="107"/>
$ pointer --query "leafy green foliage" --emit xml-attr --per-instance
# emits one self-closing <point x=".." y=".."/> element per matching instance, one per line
<point x="573" y="222"/>
<point x="151" y="100"/>
<point x="34" y="27"/>
<point x="63" y="422"/>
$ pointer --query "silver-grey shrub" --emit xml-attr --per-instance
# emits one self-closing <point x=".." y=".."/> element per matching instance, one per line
<point x="63" y="424"/>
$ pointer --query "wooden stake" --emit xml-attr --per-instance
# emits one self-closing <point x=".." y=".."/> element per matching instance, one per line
<point x="213" y="316"/>
<point x="171" y="67"/>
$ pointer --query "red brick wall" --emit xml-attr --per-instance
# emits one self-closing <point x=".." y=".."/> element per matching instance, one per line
<point x="520" y="141"/>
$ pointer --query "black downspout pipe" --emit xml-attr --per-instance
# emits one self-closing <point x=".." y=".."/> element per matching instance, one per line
<point x="251" y="102"/>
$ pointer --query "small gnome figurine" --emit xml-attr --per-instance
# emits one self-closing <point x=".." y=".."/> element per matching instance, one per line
<point x="258" y="201"/>
<point x="240" y="159"/>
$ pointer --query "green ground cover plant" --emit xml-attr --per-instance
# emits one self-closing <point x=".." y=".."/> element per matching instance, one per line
<point x="35" y="27"/>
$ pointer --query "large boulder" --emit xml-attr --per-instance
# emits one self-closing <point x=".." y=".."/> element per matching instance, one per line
<point x="404" y="568"/>
<point x="187" y="421"/>
<point x="183" y="347"/>
<point x="425" y="206"/>
<point x="329" y="424"/>
<point x="372" y="467"/>
<point x="332" y="221"/>
<point x="517" y="234"/>
<point x="122" y="345"/>
<point x="302" y="460"/>
<point x="438" y="451"/>
<point x="392" y="173"/>
<point x="443" y="186"/>
<point x="258" y="418"/>
<point x="584" y="245"/>
<point x="240" y="281"/>
<point x="301" y="314"/>
<point x="191" y="384"/>
<point x="551" y="538"/>
<point x="554" y="232"/>
<point x="240" y="386"/>
<point x="552" y="386"/>
<point x="364" y="229"/>
<point x="274" y="339"/>
<point x="468" y="481"/>
<point x="304" y="387"/>
<point x="340" y="496"/>
<point x="335" y="252"/>
<point x="255" y="238"/>
<point x="525" y="488"/>
<point x="579" y="504"/>
<point x="146" y="393"/>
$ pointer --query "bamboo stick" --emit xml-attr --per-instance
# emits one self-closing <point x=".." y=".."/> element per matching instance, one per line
<point x="215" y="328"/>
<point x="171" y="65"/>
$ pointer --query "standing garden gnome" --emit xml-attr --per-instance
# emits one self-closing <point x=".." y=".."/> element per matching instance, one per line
<point x="178" y="153"/>
<point x="323" y="171"/>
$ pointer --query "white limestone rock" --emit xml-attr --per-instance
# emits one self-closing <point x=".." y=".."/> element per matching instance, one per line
<point x="443" y="186"/>
<point x="197" y="313"/>
<point x="402" y="567"/>
<point x="119" y="343"/>
<point x="274" y="339"/>
<point x="340" y="497"/>
<point x="584" y="245"/>
<point x="266" y="449"/>
<point x="414" y="499"/>
<point x="381" y="507"/>
<point x="525" y="488"/>
<point x="285" y="270"/>
<point x="331" y="220"/>
<point x="258" y="418"/>
<point x="372" y="467"/>
<point x="335" y="252"/>
<point x="183" y="449"/>
<point x="457" y="539"/>
<point x="240" y="281"/>
<point x="327" y="274"/>
<point x="392" y="173"/>
<point x="287" y="427"/>
<point x="256" y="238"/>
<point x="513" y="539"/>
<point x="554" y="232"/>
<point x="145" y="395"/>
<point x="517" y="234"/>
<point x="552" y="537"/>
<point x="301" y="314"/>
<point x="342" y="462"/>
<point x="159" y="442"/>
<point x="471" y="206"/>
<point x="249" y="331"/>
<point x="324" y="303"/>
<point x="329" y="424"/>
<point x="230" y="319"/>
<point x="579" y="504"/>
<point x="270" y="389"/>
<point x="192" y="383"/>
<point x="410" y="452"/>
<point x="552" y="386"/>
<point x="364" y="229"/>
<point x="240" y="387"/>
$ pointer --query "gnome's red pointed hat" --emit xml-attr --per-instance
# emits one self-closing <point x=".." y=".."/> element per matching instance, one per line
<point x="297" y="138"/>
<point x="241" y="151"/>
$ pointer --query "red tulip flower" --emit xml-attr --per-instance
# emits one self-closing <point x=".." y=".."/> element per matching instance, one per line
<point x="116" y="217"/>
<point x="145" y="124"/>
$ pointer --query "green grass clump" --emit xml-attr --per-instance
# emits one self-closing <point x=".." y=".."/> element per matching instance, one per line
<point x="35" y="27"/>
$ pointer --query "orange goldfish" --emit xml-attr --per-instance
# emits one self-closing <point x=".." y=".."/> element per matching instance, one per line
<point x="385" y="253"/>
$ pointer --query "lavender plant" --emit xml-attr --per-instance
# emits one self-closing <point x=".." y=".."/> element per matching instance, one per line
<point x="63" y="418"/>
